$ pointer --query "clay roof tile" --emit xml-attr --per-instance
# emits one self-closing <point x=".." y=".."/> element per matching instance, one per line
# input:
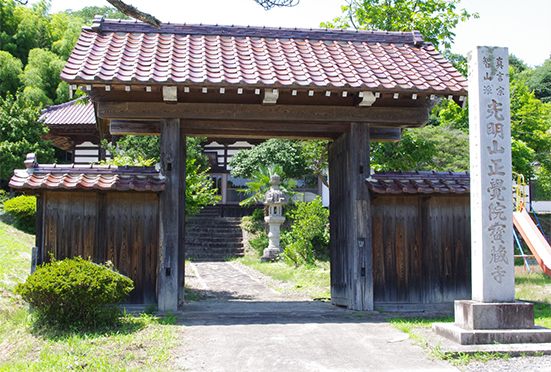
<point x="127" y="51"/>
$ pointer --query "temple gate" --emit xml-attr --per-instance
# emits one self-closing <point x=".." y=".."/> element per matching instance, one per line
<point x="352" y="87"/>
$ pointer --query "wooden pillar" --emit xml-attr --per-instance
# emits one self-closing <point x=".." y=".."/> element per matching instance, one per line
<point x="169" y="219"/>
<point x="37" y="258"/>
<point x="350" y="217"/>
<point x="182" y="218"/>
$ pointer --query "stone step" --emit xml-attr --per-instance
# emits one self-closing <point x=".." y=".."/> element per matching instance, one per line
<point x="220" y="229"/>
<point x="230" y="235"/>
<point x="213" y="238"/>
<point x="213" y="246"/>
<point x="212" y="224"/>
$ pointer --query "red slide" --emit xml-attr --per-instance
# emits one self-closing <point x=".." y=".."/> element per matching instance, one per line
<point x="534" y="239"/>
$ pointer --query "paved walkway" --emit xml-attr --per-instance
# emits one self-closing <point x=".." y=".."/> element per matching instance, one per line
<point x="246" y="326"/>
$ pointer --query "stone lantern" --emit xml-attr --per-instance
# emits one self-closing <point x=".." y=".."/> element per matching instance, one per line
<point x="274" y="200"/>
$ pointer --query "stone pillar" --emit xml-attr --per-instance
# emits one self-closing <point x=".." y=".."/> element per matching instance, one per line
<point x="493" y="267"/>
<point x="492" y="315"/>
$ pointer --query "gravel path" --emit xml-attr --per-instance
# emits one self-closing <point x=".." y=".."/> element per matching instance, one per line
<point x="520" y="364"/>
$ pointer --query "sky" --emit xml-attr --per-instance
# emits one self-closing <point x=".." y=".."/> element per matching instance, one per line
<point x="522" y="26"/>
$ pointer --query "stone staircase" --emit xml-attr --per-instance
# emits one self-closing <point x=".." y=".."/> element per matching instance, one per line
<point x="210" y="237"/>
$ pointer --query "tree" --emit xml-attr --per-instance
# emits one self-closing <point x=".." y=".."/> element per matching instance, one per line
<point x="452" y="148"/>
<point x="435" y="19"/>
<point x="288" y="154"/>
<point x="539" y="81"/>
<point x="316" y="153"/>
<point x="530" y="121"/>
<point x="20" y="134"/>
<point x="41" y="78"/>
<point x="517" y="64"/>
<point x="88" y="13"/>
<point x="10" y="69"/>
<point x="411" y="153"/>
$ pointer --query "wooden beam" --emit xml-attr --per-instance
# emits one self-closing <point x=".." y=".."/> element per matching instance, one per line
<point x="233" y="129"/>
<point x="169" y="216"/>
<point x="212" y="112"/>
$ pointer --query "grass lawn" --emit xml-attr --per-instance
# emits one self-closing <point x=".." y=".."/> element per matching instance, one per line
<point x="313" y="281"/>
<point x="140" y="343"/>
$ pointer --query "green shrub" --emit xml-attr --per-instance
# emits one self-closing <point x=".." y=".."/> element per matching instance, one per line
<point x="75" y="293"/>
<point x="310" y="224"/>
<point x="260" y="242"/>
<point x="23" y="209"/>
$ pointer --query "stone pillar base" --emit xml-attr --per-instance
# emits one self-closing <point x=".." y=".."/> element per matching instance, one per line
<point x="270" y="254"/>
<point x="479" y="323"/>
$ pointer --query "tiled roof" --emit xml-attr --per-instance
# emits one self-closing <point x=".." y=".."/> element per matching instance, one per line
<point x="76" y="112"/>
<point x="419" y="183"/>
<point x="88" y="177"/>
<point x="131" y="52"/>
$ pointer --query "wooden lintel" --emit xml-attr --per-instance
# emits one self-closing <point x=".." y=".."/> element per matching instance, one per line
<point x="136" y="127"/>
<point x="251" y="130"/>
<point x="379" y="116"/>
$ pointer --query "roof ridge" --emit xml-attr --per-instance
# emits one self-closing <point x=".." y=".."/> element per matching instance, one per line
<point x="102" y="25"/>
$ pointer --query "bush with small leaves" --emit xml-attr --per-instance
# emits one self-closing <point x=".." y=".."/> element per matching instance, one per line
<point x="310" y="224"/>
<point x="23" y="209"/>
<point x="75" y="293"/>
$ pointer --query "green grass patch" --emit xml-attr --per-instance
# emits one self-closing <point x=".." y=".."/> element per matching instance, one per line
<point x="140" y="343"/>
<point x="461" y="359"/>
<point x="409" y="325"/>
<point x="312" y="280"/>
<point x="533" y="286"/>
<point x="412" y="327"/>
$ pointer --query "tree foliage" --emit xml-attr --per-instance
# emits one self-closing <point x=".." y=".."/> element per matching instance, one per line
<point x="530" y="122"/>
<point x="10" y="69"/>
<point x="34" y="46"/>
<point x="88" y="13"/>
<point x="435" y="19"/>
<point x="288" y="154"/>
<point x="539" y="81"/>
<point x="20" y="134"/>
<point x="41" y="78"/>
<point x="297" y="158"/>
<point x="260" y="183"/>
<point x="411" y="153"/>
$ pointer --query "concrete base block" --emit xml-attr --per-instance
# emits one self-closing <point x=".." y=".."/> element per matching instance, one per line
<point x="479" y="323"/>
<point x="462" y="336"/>
<point x="473" y="315"/>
